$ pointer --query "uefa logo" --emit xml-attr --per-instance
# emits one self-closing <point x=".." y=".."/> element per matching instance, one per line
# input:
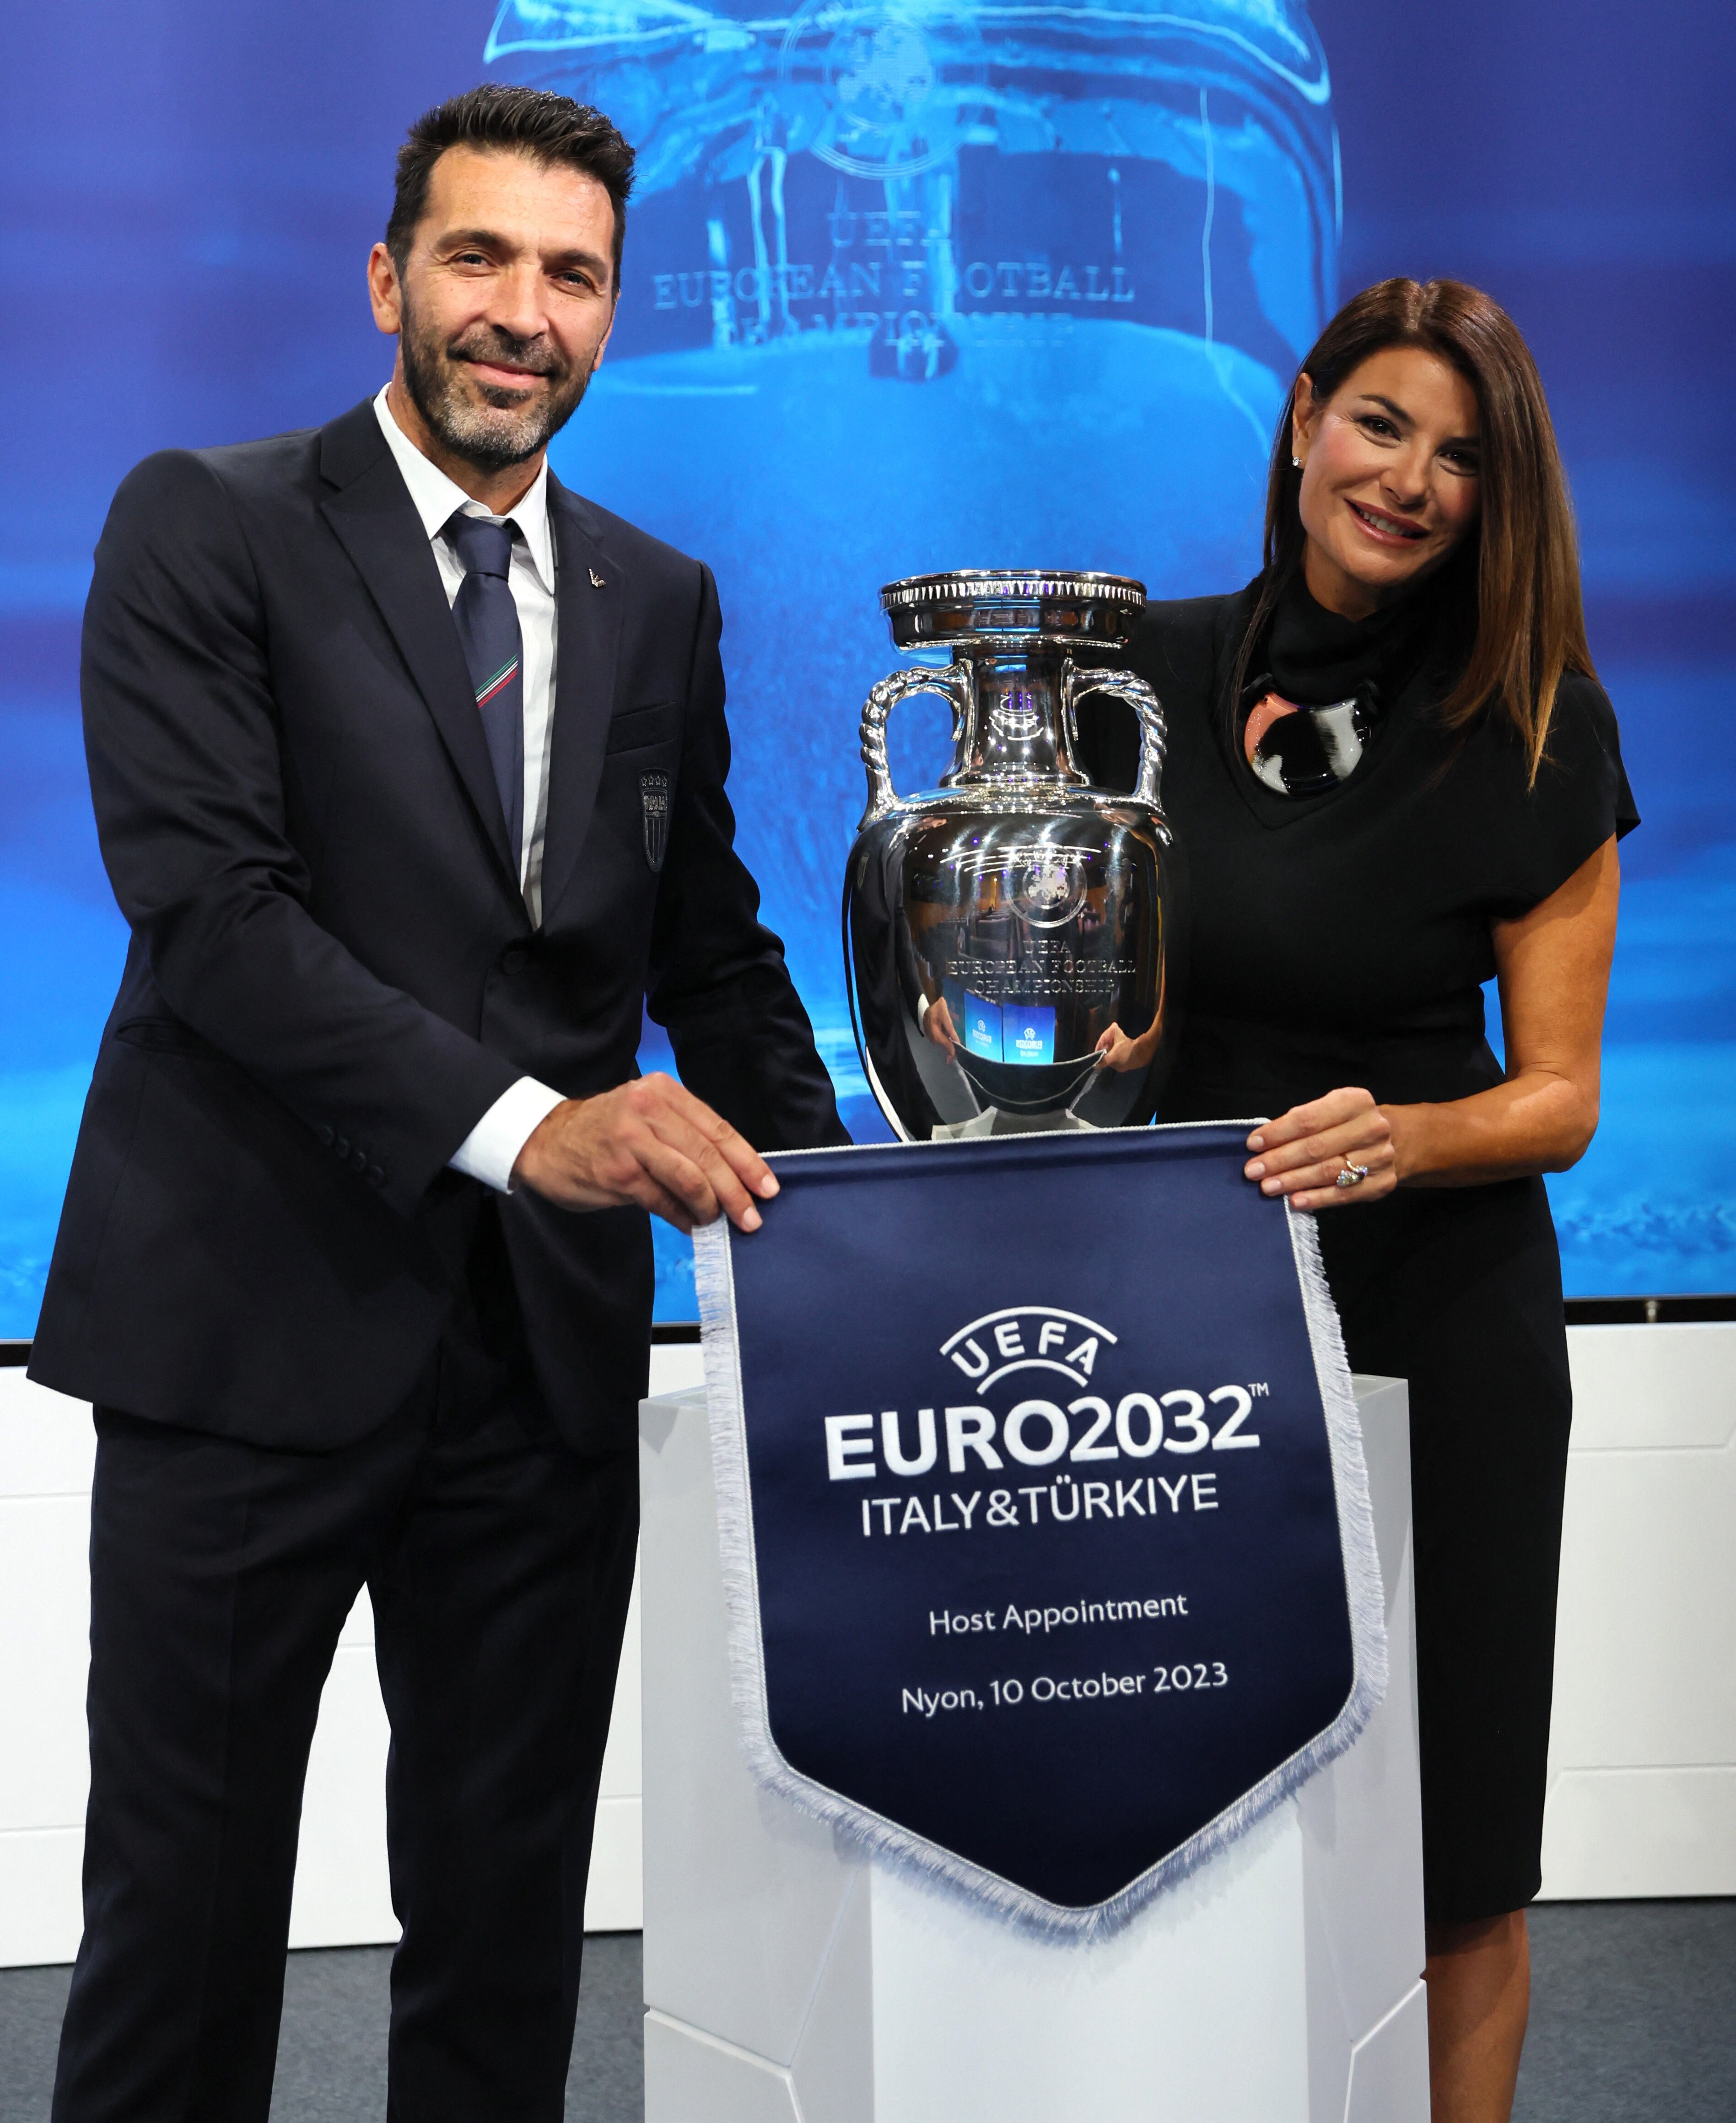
<point x="900" y="88"/>
<point x="1129" y="1434"/>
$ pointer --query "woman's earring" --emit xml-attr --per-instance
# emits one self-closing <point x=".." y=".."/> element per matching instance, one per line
<point x="1296" y="460"/>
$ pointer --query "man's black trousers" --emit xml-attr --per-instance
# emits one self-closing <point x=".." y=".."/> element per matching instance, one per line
<point x="499" y="1565"/>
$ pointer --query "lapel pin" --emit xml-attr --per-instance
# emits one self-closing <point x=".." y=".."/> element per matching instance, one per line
<point x="596" y="580"/>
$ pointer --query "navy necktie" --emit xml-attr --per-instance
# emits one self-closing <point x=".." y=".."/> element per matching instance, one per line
<point x="488" y="627"/>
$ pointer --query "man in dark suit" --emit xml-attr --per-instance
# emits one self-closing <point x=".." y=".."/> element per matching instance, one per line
<point x="408" y="768"/>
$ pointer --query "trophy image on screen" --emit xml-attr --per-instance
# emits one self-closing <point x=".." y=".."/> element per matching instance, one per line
<point x="997" y="927"/>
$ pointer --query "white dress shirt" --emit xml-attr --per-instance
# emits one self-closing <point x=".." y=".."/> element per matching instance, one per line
<point x="490" y="1149"/>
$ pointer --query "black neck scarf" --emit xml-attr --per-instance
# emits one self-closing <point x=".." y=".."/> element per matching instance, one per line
<point x="1339" y="676"/>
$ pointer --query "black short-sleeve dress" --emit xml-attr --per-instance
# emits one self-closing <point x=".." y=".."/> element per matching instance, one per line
<point x="1342" y="938"/>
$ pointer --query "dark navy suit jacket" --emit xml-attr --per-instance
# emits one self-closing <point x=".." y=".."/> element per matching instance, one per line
<point x="332" y="975"/>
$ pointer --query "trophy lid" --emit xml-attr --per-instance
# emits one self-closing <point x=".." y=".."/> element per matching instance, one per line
<point x="967" y="604"/>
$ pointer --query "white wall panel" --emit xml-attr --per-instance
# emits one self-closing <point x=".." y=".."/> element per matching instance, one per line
<point x="1650" y="1832"/>
<point x="1642" y="1789"/>
<point x="343" y="1897"/>
<point x="1643" y="1764"/>
<point x="342" y="1894"/>
<point x="45" y="1654"/>
<point x="39" y="1916"/>
<point x="47" y="1445"/>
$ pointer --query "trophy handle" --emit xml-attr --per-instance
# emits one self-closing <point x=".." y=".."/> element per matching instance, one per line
<point x="953" y="682"/>
<point x="1154" y="728"/>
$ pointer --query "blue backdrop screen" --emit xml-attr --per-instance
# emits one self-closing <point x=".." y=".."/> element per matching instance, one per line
<point x="909" y="286"/>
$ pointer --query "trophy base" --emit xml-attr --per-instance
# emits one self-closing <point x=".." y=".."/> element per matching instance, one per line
<point x="996" y="1122"/>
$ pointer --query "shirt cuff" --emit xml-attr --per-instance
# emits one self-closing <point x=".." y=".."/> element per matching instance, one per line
<point x="489" y="1151"/>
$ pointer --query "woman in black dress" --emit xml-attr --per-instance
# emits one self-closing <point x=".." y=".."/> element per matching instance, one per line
<point x="1394" y="776"/>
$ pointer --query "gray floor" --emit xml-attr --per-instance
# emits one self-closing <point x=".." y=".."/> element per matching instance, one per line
<point x="1633" y="2014"/>
<point x="1633" y="2020"/>
<point x="331" y="2055"/>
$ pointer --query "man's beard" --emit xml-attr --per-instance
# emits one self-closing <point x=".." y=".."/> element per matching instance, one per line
<point x="504" y="430"/>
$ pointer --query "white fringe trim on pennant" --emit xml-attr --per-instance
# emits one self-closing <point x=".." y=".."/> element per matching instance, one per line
<point x="929" y="1863"/>
<point x="1363" y="1585"/>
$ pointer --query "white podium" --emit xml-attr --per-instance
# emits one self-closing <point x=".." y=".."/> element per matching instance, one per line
<point x="788" y="1979"/>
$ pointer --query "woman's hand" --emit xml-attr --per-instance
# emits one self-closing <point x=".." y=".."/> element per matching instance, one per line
<point x="1554" y="967"/>
<point x="1553" y="964"/>
<point x="1116" y="1051"/>
<point x="1301" y="1153"/>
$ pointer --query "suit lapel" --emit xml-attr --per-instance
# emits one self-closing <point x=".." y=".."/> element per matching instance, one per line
<point x="590" y="613"/>
<point x="377" y="523"/>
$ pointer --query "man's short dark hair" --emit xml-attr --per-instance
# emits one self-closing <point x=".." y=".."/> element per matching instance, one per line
<point x="549" y="128"/>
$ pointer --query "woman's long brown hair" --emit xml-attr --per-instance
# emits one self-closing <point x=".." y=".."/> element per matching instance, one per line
<point x="1521" y="554"/>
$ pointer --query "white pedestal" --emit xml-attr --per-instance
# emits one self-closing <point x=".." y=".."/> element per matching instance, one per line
<point x="789" y="1980"/>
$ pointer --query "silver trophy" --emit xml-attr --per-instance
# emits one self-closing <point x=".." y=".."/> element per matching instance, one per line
<point x="1006" y="934"/>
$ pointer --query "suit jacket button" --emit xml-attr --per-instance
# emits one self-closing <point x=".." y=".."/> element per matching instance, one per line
<point x="515" y="958"/>
<point x="342" y="1145"/>
<point x="376" y="1175"/>
<point x="360" y="1160"/>
<point x="325" y="1134"/>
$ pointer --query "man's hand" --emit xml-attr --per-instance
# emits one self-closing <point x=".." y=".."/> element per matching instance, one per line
<point x="651" y="1142"/>
<point x="938" y="1025"/>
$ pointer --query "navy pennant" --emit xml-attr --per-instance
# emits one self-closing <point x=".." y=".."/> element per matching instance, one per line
<point x="1043" y="1506"/>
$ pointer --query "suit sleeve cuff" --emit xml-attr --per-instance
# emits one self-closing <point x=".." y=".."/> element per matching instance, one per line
<point x="489" y="1151"/>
